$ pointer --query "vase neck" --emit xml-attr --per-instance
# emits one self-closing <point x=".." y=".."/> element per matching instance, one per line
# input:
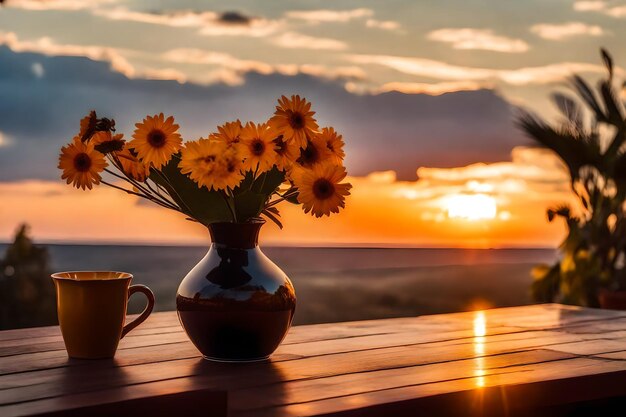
<point x="235" y="235"/>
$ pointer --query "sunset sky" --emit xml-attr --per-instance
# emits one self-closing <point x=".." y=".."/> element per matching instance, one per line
<point x="424" y="94"/>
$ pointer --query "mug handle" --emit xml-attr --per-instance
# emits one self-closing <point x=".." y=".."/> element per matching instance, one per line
<point x="146" y="311"/>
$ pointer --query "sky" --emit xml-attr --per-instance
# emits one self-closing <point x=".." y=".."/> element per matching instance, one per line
<point x="424" y="93"/>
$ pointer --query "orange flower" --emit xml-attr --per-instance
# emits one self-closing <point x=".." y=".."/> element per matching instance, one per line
<point x="212" y="164"/>
<point x="286" y="153"/>
<point x="315" y="153"/>
<point x="105" y="142"/>
<point x="81" y="164"/>
<point x="155" y="140"/>
<point x="229" y="132"/>
<point x="132" y="166"/>
<point x="294" y="119"/>
<point x="88" y="126"/>
<point x="259" y="149"/>
<point x="319" y="190"/>
<point x="334" y="143"/>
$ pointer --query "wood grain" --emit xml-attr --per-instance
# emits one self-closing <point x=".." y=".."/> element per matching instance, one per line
<point x="540" y="359"/>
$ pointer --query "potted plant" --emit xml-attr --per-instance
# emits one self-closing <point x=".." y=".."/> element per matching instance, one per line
<point x="590" y="141"/>
<point x="236" y="304"/>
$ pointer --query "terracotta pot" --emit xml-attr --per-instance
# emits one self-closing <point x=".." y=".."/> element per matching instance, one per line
<point x="236" y="304"/>
<point x="612" y="300"/>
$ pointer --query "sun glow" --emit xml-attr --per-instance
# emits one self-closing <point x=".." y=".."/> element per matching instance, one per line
<point x="471" y="206"/>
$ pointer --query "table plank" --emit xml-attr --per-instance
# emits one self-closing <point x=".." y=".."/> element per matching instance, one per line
<point x="334" y="369"/>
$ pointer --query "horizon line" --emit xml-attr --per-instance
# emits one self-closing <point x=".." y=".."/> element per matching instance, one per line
<point x="347" y="245"/>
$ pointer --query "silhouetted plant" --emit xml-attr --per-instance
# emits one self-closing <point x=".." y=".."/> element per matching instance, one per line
<point x="590" y="141"/>
<point x="27" y="296"/>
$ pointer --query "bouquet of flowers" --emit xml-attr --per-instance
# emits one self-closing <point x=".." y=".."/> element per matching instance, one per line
<point x="238" y="173"/>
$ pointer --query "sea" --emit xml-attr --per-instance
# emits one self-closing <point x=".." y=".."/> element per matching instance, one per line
<point x="339" y="284"/>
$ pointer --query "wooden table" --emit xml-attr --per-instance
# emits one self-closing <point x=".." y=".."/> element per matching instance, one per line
<point x="544" y="359"/>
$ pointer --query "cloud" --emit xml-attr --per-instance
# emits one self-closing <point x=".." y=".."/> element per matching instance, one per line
<point x="527" y="163"/>
<point x="294" y="40"/>
<point x="46" y="46"/>
<point x="548" y="73"/>
<point x="181" y="18"/>
<point x="342" y="16"/>
<point x="4" y="140"/>
<point x="601" y="7"/>
<point x="587" y="6"/>
<point x="234" y="18"/>
<point x="425" y="67"/>
<point x="390" y="25"/>
<point x="444" y="71"/>
<point x="433" y="89"/>
<point x="484" y="39"/>
<point x="200" y="56"/>
<point x="164" y="74"/>
<point x="558" y="32"/>
<point x="234" y="69"/>
<point x="325" y="15"/>
<point x="55" y="4"/>
<point x="256" y="28"/>
<point x="382" y="131"/>
<point x="208" y="23"/>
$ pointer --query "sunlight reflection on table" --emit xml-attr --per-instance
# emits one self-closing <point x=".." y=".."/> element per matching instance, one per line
<point x="480" y="330"/>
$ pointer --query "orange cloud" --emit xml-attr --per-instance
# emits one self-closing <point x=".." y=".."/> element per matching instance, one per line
<point x="485" y="39"/>
<point x="440" y="70"/>
<point x="380" y="211"/>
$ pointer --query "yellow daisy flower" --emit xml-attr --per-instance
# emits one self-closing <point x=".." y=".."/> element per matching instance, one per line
<point x="294" y="119"/>
<point x="105" y="142"/>
<point x="88" y="126"/>
<point x="320" y="192"/>
<point x="132" y="166"/>
<point x="155" y="140"/>
<point x="314" y="153"/>
<point x="229" y="132"/>
<point x="81" y="164"/>
<point x="259" y="149"/>
<point x="286" y="153"/>
<point x="334" y="143"/>
<point x="211" y="164"/>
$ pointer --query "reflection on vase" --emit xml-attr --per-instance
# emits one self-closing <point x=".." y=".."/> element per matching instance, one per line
<point x="236" y="304"/>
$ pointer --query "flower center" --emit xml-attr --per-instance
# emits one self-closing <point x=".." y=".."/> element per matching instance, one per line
<point x="309" y="155"/>
<point x="82" y="162"/>
<point x="156" y="138"/>
<point x="296" y="120"/>
<point x="208" y="159"/>
<point x="257" y="147"/>
<point x="323" y="189"/>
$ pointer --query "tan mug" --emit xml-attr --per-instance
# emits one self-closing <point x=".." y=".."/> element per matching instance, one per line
<point x="91" y="306"/>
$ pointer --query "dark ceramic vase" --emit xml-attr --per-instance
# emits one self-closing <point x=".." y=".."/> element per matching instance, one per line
<point x="236" y="304"/>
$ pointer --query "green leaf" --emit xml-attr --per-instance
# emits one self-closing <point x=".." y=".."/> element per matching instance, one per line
<point x="199" y="203"/>
<point x="271" y="181"/>
<point x="273" y="216"/>
<point x="249" y="204"/>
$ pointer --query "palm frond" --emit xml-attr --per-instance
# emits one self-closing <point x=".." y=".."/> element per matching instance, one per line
<point x="589" y="97"/>
<point x="575" y="153"/>
<point x="569" y="108"/>
<point x="614" y="108"/>
<point x="608" y="61"/>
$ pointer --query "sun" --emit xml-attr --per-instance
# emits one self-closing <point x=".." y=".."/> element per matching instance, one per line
<point x="471" y="207"/>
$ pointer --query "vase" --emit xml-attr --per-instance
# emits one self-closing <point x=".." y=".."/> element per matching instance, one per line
<point x="236" y="304"/>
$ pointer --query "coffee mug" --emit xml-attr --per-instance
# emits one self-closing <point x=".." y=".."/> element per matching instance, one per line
<point x="91" y="307"/>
